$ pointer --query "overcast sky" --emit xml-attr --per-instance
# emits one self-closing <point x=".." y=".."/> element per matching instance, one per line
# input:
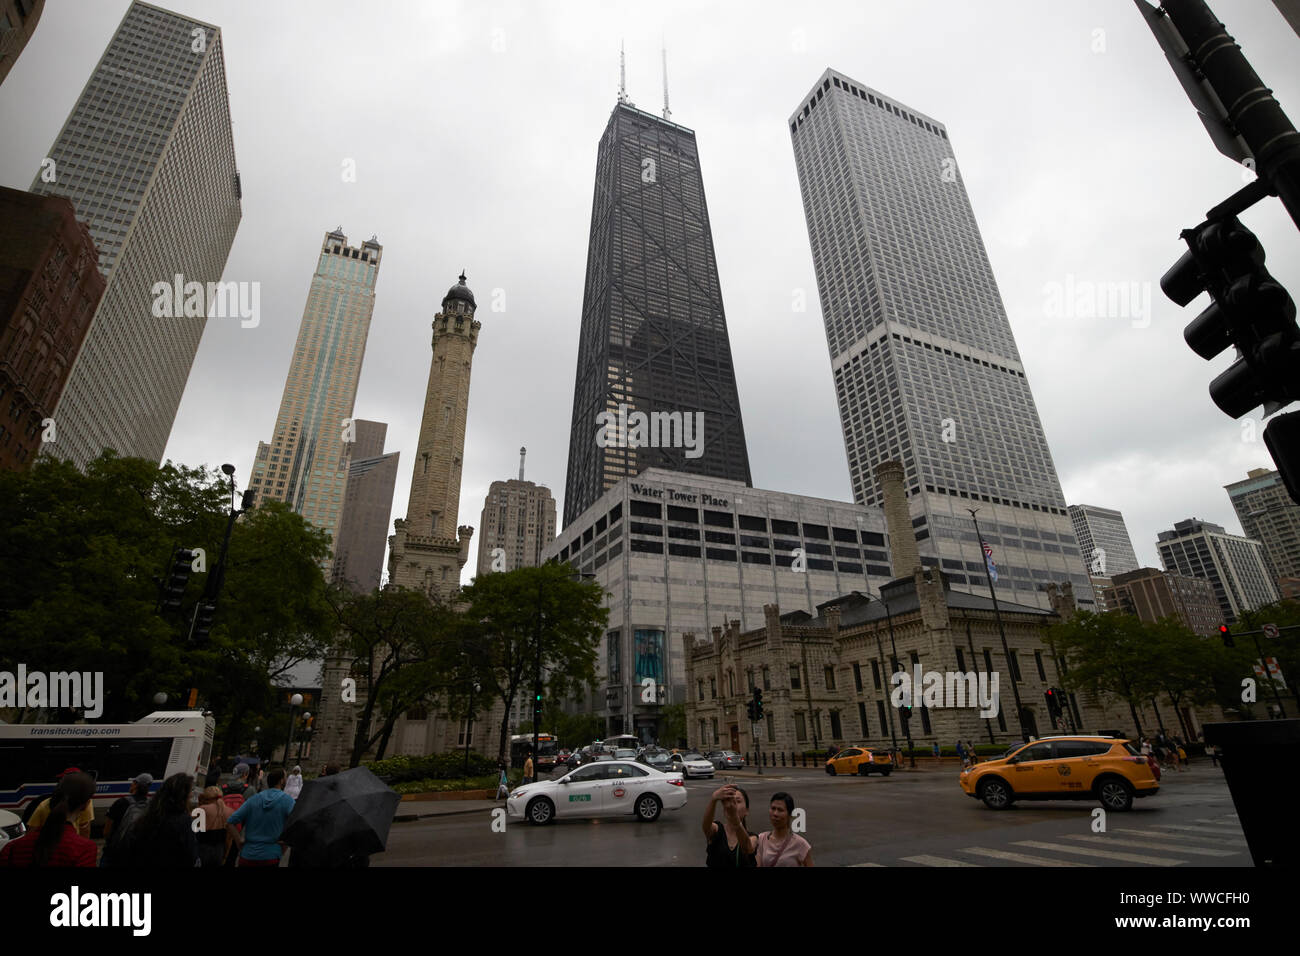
<point x="474" y="126"/>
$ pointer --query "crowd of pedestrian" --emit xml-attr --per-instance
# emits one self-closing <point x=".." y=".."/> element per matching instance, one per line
<point x="1169" y="752"/>
<point x="242" y="823"/>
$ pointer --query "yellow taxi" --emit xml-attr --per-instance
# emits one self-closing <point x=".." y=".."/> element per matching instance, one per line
<point x="1107" y="769"/>
<point x="860" y="760"/>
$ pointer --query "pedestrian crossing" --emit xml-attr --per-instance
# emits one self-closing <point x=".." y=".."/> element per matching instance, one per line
<point x="1204" y="842"/>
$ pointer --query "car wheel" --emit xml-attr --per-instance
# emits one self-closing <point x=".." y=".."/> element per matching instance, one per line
<point x="830" y="769"/>
<point x="1115" y="794"/>
<point x="540" y="811"/>
<point x="886" y="772"/>
<point x="647" y="808"/>
<point x="864" y="770"/>
<point x="996" y="794"/>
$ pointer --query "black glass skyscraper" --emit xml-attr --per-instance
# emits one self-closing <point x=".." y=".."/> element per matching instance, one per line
<point x="654" y="335"/>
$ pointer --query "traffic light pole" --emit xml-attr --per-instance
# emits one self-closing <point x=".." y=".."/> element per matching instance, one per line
<point x="1251" y="110"/>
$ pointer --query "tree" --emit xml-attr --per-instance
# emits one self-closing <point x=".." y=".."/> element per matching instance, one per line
<point x="530" y="611"/>
<point x="672" y="725"/>
<point x="1182" y="665"/>
<point x="1107" y="654"/>
<point x="81" y="564"/>
<point x="400" y="643"/>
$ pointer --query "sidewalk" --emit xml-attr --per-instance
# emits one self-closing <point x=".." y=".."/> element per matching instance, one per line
<point x="413" y="810"/>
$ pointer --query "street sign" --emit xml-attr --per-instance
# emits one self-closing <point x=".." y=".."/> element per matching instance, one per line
<point x="1270" y="630"/>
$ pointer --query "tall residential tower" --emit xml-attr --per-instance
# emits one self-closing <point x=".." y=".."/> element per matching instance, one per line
<point x="925" y="365"/>
<point x="654" y="335"/>
<point x="147" y="157"/>
<point x="306" y="462"/>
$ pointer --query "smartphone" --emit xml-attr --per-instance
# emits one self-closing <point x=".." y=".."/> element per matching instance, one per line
<point x="727" y="782"/>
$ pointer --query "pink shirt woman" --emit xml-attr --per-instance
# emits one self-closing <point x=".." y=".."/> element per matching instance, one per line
<point x="780" y="846"/>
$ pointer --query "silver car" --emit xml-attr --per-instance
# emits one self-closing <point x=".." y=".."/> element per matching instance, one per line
<point x="691" y="764"/>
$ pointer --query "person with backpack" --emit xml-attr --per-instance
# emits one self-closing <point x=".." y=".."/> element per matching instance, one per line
<point x="216" y="838"/>
<point x="123" y="815"/>
<point x="164" y="837"/>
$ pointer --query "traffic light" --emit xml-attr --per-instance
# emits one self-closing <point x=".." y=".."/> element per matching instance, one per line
<point x="1250" y="311"/>
<point x="177" y="578"/>
<point x="1053" y="703"/>
<point x="537" y="705"/>
<point x="203" y="617"/>
<point x="1227" y="637"/>
<point x="758" y="704"/>
<point x="905" y="713"/>
<point x="753" y="714"/>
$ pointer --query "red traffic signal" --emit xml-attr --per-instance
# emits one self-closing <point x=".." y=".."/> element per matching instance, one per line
<point x="1227" y="637"/>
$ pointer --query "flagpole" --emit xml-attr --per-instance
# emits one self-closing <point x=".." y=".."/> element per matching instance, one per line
<point x="1006" y="651"/>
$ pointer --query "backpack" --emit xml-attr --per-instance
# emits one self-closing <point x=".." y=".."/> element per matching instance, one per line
<point x="118" y="840"/>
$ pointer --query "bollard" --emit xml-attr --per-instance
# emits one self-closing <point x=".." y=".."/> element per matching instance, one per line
<point x="782" y="758"/>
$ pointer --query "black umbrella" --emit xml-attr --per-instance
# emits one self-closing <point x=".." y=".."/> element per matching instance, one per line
<point x="339" y="817"/>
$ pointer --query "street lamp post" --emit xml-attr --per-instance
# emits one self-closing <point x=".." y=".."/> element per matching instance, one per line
<point x="294" y="703"/>
<point x="469" y="725"/>
<point x="306" y="719"/>
<point x="880" y="652"/>
<point x="988" y="721"/>
<point x="1006" y="651"/>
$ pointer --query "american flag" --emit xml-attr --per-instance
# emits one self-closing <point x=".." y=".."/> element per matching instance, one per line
<point x="988" y="560"/>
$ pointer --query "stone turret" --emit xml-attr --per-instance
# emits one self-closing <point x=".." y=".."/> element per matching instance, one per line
<point x="904" y="557"/>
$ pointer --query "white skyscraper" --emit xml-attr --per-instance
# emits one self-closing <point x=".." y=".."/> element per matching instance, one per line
<point x="925" y="364"/>
<point x="1103" y="539"/>
<point x="147" y="157"/>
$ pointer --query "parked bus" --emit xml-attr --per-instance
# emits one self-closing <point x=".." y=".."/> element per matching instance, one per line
<point x="162" y="744"/>
<point x="543" y="759"/>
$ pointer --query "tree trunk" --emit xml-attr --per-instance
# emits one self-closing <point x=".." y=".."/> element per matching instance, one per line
<point x="1136" y="723"/>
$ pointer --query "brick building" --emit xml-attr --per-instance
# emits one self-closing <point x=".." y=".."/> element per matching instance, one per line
<point x="50" y="287"/>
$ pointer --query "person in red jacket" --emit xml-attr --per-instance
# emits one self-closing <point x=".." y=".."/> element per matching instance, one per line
<point x="57" y="843"/>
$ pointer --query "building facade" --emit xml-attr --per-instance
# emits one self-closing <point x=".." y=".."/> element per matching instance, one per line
<point x="367" y="508"/>
<point x="306" y="462"/>
<point x="49" y="289"/>
<point x="1234" y="566"/>
<point x="517" y="525"/>
<point x="682" y="554"/>
<point x="147" y="158"/>
<point x="1268" y="515"/>
<point x="1103" y="540"/>
<point x="826" y="677"/>
<point x="924" y="361"/>
<point x="1152" y="594"/>
<point x="654" y="334"/>
<point x="18" y="19"/>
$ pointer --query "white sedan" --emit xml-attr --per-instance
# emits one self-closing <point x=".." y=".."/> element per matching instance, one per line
<point x="691" y="764"/>
<point x="604" y="788"/>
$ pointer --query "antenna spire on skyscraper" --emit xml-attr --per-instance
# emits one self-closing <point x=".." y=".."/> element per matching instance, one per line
<point x="622" y="74"/>
<point x="522" y="452"/>
<point x="667" y="112"/>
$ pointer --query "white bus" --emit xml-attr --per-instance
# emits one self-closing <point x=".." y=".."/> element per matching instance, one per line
<point x="162" y="744"/>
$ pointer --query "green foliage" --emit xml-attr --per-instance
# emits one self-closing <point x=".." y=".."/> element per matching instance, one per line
<point x="530" y="617"/>
<point x="444" y="766"/>
<point x="672" y="725"/>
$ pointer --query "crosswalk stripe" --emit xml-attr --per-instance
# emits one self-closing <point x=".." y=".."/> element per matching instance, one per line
<point x="1020" y="857"/>
<point x="1147" y="845"/>
<point x="1199" y="829"/>
<point x="935" y="861"/>
<point x="1232" y="824"/>
<point x="1221" y="838"/>
<point x="866" y="864"/>
<point x="1104" y="854"/>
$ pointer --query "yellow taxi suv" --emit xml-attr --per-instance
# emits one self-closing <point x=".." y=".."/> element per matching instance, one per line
<point x="1107" y="769"/>
<point x="860" y="760"/>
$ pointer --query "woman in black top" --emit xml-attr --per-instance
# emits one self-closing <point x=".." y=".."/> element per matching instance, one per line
<point x="730" y="842"/>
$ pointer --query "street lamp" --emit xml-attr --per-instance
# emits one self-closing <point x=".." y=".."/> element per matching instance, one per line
<point x="306" y="722"/>
<point x="207" y="605"/>
<point x="469" y="725"/>
<point x="294" y="703"/>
